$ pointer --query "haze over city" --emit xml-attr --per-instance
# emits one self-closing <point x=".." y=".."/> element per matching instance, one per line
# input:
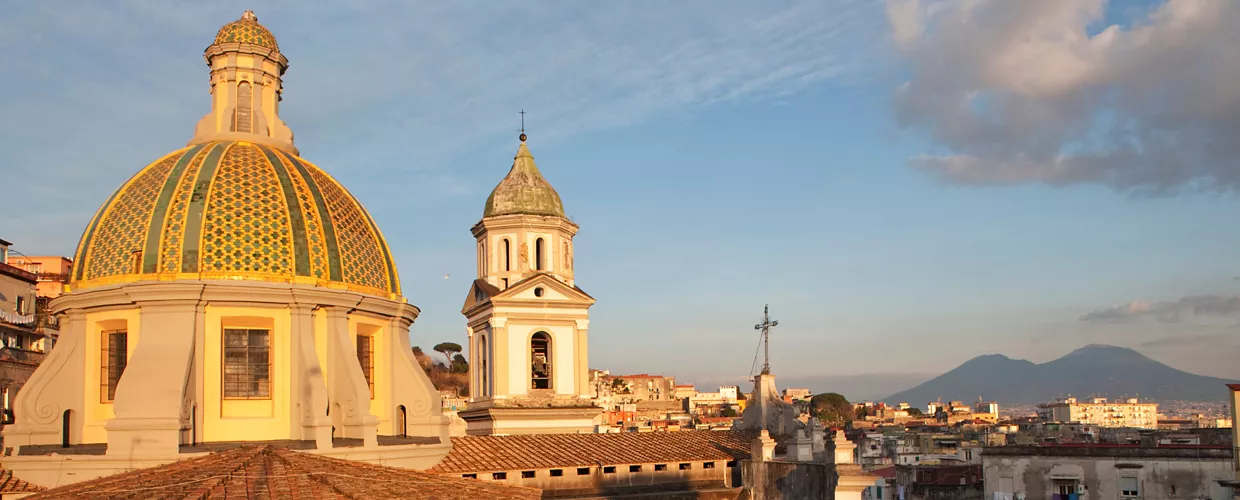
<point x="1024" y="178"/>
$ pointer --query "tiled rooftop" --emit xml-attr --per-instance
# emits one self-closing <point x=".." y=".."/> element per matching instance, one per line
<point x="548" y="451"/>
<point x="270" y="472"/>
<point x="10" y="484"/>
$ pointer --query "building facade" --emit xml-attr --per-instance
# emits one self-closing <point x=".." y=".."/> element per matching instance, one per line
<point x="1101" y="412"/>
<point x="526" y="319"/>
<point x="22" y="342"/>
<point x="1107" y="472"/>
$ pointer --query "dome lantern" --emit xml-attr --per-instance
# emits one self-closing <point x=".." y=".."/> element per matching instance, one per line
<point x="247" y="71"/>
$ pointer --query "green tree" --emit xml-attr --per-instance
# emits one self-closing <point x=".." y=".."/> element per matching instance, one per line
<point x="831" y="408"/>
<point x="728" y="411"/>
<point x="914" y="412"/>
<point x="619" y="386"/>
<point x="459" y="364"/>
<point x="448" y="349"/>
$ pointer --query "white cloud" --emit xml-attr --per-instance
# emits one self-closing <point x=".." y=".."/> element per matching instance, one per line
<point x="1042" y="92"/>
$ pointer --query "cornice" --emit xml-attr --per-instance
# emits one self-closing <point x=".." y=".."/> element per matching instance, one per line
<point x="519" y="221"/>
<point x="219" y="49"/>
<point x="229" y="293"/>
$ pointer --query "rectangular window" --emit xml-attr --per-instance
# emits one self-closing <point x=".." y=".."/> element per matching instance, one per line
<point x="557" y="472"/>
<point x="583" y="471"/>
<point x="660" y="467"/>
<point x="686" y="466"/>
<point x="1128" y="487"/>
<point x="247" y="363"/>
<point x="610" y="469"/>
<point x="527" y="474"/>
<point x="366" y="357"/>
<point x="499" y="476"/>
<point x="113" y="355"/>
<point x="635" y="468"/>
<point x="21" y="305"/>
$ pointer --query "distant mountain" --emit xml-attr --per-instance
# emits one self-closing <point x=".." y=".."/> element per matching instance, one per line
<point x="1101" y="370"/>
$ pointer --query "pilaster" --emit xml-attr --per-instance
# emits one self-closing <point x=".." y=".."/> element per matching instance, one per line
<point x="499" y="364"/>
<point x="308" y="389"/>
<point x="53" y="389"/>
<point x="348" y="391"/>
<point x="151" y="398"/>
<point x="423" y="407"/>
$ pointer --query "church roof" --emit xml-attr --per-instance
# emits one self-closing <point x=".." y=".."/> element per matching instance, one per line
<point x="11" y="484"/>
<point x="235" y="210"/>
<point x="247" y="30"/>
<point x="270" y="472"/>
<point x="472" y="454"/>
<point x="523" y="191"/>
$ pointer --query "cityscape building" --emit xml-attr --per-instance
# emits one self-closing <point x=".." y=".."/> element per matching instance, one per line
<point x="1102" y="412"/>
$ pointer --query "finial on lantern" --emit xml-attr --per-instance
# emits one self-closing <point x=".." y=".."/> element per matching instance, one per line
<point x="522" y="136"/>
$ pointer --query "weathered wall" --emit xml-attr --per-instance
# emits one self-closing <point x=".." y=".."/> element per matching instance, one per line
<point x="1158" y="477"/>
<point x="786" y="480"/>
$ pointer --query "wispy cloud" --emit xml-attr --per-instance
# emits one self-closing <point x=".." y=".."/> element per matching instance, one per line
<point x="1179" y="341"/>
<point x="1169" y="311"/>
<point x="393" y="86"/>
<point x="1031" y="92"/>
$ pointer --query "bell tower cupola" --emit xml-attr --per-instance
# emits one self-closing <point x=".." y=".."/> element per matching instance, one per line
<point x="246" y="85"/>
<point x="523" y="230"/>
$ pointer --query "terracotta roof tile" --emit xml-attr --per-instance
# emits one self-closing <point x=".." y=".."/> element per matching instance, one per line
<point x="269" y="472"/>
<point x="10" y="484"/>
<point x="549" y="451"/>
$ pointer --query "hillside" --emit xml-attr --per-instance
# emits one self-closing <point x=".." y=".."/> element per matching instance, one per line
<point x="1101" y="370"/>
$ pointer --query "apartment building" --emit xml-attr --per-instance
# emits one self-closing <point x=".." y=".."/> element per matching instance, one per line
<point x="1102" y="412"/>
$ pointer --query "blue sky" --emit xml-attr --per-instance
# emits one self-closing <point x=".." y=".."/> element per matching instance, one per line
<point x="905" y="191"/>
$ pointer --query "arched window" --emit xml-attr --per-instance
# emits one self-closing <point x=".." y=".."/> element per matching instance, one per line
<point x="539" y="255"/>
<point x="402" y="424"/>
<point x="507" y="255"/>
<point x="66" y="424"/>
<point x="482" y="259"/>
<point x="245" y="105"/>
<point x="540" y="357"/>
<point x="483" y="391"/>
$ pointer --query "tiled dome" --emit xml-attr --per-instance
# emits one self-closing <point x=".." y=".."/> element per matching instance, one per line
<point x="247" y="30"/>
<point x="235" y="210"/>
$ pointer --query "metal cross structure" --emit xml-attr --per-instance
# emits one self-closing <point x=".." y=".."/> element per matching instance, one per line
<point x="765" y="326"/>
<point x="522" y="113"/>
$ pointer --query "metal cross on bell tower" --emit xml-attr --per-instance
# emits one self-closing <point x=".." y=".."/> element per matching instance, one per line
<point x="765" y="326"/>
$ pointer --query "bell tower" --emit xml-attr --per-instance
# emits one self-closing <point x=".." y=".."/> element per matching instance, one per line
<point x="526" y="319"/>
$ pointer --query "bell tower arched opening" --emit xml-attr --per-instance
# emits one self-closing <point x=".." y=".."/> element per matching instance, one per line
<point x="540" y="361"/>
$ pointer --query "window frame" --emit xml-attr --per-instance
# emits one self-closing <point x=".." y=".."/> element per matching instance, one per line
<point x="1133" y="493"/>
<point x="368" y="367"/>
<point x="106" y="384"/>
<point x="224" y="362"/>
